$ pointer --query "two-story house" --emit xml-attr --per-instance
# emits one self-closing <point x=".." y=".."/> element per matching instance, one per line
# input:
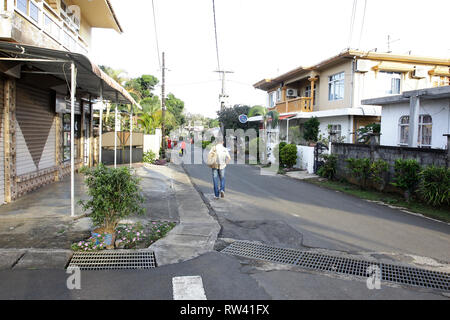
<point x="39" y="41"/>
<point x="332" y="90"/>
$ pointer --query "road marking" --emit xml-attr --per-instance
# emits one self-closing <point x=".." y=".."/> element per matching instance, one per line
<point x="188" y="288"/>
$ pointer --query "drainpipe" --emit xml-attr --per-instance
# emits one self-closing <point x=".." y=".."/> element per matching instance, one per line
<point x="131" y="137"/>
<point x="115" y="135"/>
<point x="101" y="124"/>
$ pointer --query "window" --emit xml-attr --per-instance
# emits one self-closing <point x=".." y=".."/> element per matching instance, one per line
<point x="272" y="99"/>
<point x="34" y="12"/>
<point x="336" y="87"/>
<point x="22" y="5"/>
<point x="336" y="128"/>
<point x="425" y="131"/>
<point x="390" y="82"/>
<point x="404" y="130"/>
<point x="279" y="95"/>
<point x="308" y="92"/>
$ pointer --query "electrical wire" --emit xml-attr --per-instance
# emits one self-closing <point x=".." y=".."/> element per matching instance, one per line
<point x="156" y="34"/>
<point x="362" y="24"/>
<point x="352" y="23"/>
<point x="215" y="32"/>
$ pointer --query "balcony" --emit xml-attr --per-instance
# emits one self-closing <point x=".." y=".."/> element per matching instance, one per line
<point x="300" y="104"/>
<point x="38" y="24"/>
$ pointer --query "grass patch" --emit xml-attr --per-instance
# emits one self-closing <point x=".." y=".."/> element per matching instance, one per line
<point x="442" y="213"/>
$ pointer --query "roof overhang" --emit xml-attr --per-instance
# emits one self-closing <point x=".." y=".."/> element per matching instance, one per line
<point x="90" y="78"/>
<point x="99" y="14"/>
<point x="427" y="94"/>
<point x="361" y="111"/>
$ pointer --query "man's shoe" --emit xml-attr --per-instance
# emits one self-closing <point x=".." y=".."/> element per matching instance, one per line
<point x="222" y="194"/>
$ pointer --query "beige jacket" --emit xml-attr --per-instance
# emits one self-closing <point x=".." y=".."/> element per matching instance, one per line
<point x="223" y="156"/>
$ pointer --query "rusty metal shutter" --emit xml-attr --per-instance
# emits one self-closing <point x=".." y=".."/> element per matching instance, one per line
<point x="2" y="154"/>
<point x="35" y="129"/>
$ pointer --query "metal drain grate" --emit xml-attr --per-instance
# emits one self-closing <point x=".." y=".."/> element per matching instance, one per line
<point x="108" y="260"/>
<point x="321" y="262"/>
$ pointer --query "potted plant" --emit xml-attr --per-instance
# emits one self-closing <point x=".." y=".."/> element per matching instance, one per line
<point x="114" y="194"/>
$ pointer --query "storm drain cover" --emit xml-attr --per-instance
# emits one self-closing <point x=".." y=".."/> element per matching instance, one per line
<point x="355" y="267"/>
<point x="108" y="260"/>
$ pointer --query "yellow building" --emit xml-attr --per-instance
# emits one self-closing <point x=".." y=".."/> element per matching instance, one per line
<point x="341" y="82"/>
<point x="39" y="42"/>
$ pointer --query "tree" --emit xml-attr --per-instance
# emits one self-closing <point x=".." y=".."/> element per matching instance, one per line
<point x="141" y="88"/>
<point x="176" y="107"/>
<point x="229" y="117"/>
<point x="311" y="130"/>
<point x="119" y="75"/>
<point x="266" y="115"/>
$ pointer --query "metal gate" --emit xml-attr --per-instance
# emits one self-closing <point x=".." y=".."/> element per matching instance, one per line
<point x="318" y="151"/>
<point x="35" y="129"/>
<point x="2" y="154"/>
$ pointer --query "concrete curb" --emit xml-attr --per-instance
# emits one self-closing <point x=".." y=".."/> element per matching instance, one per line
<point x="198" y="230"/>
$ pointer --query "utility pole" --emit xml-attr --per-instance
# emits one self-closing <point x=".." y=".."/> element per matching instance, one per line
<point x="223" y="96"/>
<point x="163" y="104"/>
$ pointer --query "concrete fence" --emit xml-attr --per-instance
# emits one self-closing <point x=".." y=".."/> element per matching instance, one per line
<point x="425" y="157"/>
<point x="305" y="158"/>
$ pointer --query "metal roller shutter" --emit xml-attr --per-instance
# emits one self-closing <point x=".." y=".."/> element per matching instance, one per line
<point x="35" y="129"/>
<point x="2" y="154"/>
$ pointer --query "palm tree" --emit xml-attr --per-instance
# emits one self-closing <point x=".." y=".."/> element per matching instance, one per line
<point x="266" y="115"/>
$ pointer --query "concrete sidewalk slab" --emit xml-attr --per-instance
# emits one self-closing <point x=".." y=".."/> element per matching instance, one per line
<point x="44" y="259"/>
<point x="198" y="230"/>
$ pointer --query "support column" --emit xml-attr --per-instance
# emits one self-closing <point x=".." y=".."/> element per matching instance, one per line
<point x="10" y="139"/>
<point x="91" y="134"/>
<point x="82" y="135"/>
<point x="313" y="82"/>
<point x="414" y="109"/>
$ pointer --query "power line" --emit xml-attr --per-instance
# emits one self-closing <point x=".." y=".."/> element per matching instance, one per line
<point x="362" y="24"/>
<point x="215" y="32"/>
<point x="352" y="23"/>
<point x="156" y="34"/>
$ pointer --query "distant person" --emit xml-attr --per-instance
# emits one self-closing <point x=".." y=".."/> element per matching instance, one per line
<point x="183" y="147"/>
<point x="218" y="158"/>
<point x="169" y="144"/>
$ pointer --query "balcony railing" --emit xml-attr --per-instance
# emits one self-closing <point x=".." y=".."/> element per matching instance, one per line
<point x="300" y="104"/>
<point x="42" y="16"/>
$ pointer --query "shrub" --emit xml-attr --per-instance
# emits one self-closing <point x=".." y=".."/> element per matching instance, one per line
<point x="205" y="144"/>
<point x="328" y="169"/>
<point x="434" y="186"/>
<point x="115" y="194"/>
<point x="288" y="155"/>
<point x="311" y="130"/>
<point x="360" y="170"/>
<point x="407" y="176"/>
<point x="362" y="133"/>
<point x="149" y="157"/>
<point x="276" y="152"/>
<point x="377" y="171"/>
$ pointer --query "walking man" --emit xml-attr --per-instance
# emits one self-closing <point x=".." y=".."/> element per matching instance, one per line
<point x="218" y="158"/>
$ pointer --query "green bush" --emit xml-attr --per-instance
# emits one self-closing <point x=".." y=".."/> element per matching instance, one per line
<point x="434" y="186"/>
<point x="377" y="172"/>
<point x="149" y="157"/>
<point x="360" y="170"/>
<point x="328" y="169"/>
<point x="407" y="176"/>
<point x="115" y="194"/>
<point x="311" y="130"/>
<point x="288" y="155"/>
<point x="205" y="144"/>
<point x="276" y="152"/>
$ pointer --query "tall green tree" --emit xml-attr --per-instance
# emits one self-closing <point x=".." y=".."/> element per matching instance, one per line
<point x="229" y="117"/>
<point x="176" y="107"/>
<point x="266" y="115"/>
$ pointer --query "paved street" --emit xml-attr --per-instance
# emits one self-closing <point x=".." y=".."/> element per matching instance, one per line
<point x="323" y="218"/>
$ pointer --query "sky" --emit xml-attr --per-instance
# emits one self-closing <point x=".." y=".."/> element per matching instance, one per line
<point x="259" y="39"/>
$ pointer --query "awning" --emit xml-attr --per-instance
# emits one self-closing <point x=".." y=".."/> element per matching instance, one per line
<point x="36" y="60"/>
<point x="286" y="117"/>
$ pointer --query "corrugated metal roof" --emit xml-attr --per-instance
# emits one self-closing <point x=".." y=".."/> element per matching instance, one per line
<point x="89" y="75"/>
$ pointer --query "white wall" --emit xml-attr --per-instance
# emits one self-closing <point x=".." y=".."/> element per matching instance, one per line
<point x="305" y="158"/>
<point x="439" y="110"/>
<point x="344" y="121"/>
<point x="153" y="142"/>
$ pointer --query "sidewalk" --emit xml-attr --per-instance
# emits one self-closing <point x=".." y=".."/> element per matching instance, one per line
<point x="36" y="231"/>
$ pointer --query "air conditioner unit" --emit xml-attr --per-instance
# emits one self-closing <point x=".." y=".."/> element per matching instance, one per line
<point x="362" y="66"/>
<point x="292" y="93"/>
<point x="419" y="73"/>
